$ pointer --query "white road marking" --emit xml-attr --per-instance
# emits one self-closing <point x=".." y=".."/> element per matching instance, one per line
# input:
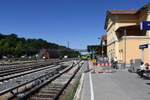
<point x="91" y="87"/>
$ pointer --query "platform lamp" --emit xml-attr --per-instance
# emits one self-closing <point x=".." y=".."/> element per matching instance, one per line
<point x="125" y="34"/>
<point x="102" y="46"/>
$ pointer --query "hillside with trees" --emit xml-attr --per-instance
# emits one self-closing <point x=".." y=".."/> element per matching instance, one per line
<point x="13" y="46"/>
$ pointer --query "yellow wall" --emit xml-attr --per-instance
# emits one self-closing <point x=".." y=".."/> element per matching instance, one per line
<point x="132" y="48"/>
<point x="112" y="40"/>
<point x="116" y="48"/>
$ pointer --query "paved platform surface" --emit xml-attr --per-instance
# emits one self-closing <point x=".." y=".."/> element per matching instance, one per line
<point x="120" y="85"/>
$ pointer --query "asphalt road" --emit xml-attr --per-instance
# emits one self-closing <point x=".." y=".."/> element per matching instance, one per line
<point x="120" y="85"/>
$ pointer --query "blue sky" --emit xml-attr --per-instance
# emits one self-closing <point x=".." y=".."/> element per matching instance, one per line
<point x="80" y="22"/>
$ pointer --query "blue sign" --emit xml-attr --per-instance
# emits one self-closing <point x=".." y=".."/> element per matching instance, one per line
<point x="143" y="46"/>
<point x="145" y="25"/>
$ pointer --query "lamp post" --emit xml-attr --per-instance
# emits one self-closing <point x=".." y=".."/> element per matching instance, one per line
<point x="102" y="46"/>
<point x="125" y="34"/>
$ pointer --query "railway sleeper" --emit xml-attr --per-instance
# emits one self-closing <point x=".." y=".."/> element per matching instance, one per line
<point x="51" y="89"/>
<point x="36" y="98"/>
<point x="43" y="96"/>
<point x="54" y="86"/>
<point x="49" y="92"/>
<point x="52" y="94"/>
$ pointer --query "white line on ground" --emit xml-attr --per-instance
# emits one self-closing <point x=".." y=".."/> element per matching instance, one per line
<point x="91" y="87"/>
<point x="78" y="92"/>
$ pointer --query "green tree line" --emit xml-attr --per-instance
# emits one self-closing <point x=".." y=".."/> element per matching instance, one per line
<point x="13" y="46"/>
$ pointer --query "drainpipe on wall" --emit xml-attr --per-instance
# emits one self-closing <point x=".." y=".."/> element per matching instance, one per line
<point x="148" y="32"/>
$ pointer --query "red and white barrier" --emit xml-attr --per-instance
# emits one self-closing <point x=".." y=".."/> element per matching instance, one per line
<point x="104" y="64"/>
<point x="110" y="64"/>
<point x="98" y="64"/>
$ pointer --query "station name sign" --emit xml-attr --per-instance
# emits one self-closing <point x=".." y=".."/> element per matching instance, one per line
<point x="143" y="46"/>
<point x="145" y="25"/>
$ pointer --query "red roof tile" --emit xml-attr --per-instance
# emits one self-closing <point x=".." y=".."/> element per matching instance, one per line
<point x="123" y="11"/>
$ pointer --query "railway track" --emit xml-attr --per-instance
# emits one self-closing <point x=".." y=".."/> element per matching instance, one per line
<point x="12" y="67"/>
<point x="18" y="69"/>
<point x="24" y="73"/>
<point x="9" y="64"/>
<point x="13" y="74"/>
<point x="54" y="89"/>
<point x="8" y="73"/>
<point x="5" y="67"/>
<point x="16" y="87"/>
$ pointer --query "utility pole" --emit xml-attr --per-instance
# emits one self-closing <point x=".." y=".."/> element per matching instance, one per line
<point x="67" y="44"/>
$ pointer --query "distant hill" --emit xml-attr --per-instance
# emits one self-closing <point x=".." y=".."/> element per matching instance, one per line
<point x="13" y="46"/>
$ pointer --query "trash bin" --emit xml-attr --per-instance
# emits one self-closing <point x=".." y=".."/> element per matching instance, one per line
<point x="134" y="65"/>
<point x="137" y="63"/>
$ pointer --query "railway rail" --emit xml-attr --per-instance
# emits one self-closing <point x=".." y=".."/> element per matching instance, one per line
<point x="8" y="65"/>
<point x="14" y="66"/>
<point x="18" y="69"/>
<point x="54" y="89"/>
<point x="9" y="72"/>
<point x="24" y="73"/>
<point x="29" y="79"/>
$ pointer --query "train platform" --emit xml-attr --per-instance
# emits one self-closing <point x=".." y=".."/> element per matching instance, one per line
<point x="120" y="85"/>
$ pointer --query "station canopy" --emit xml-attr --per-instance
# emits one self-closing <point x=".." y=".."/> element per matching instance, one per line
<point x="92" y="48"/>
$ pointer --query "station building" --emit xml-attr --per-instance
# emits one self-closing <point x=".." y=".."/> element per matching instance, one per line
<point x="124" y="34"/>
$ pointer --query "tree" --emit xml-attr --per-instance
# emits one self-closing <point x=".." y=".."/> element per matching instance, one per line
<point x="12" y="45"/>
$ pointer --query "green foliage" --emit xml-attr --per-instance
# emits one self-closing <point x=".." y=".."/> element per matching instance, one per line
<point x="13" y="46"/>
<point x="73" y="90"/>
